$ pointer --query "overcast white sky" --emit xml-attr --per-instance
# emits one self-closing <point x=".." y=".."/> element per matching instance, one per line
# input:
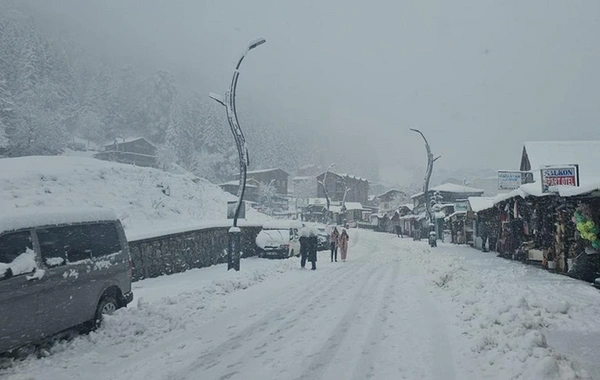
<point x="477" y="77"/>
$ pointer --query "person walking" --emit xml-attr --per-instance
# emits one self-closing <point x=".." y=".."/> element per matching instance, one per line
<point x="335" y="235"/>
<point x="399" y="230"/>
<point x="343" y="244"/>
<point x="484" y="236"/>
<point x="313" y="247"/>
<point x="303" y="248"/>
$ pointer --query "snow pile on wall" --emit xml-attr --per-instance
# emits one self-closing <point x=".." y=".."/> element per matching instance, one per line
<point x="145" y="199"/>
<point x="505" y="320"/>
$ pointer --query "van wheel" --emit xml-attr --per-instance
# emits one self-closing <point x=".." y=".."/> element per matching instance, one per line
<point x="107" y="305"/>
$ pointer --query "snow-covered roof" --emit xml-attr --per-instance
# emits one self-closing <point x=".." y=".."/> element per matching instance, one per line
<point x="453" y="188"/>
<point x="266" y="171"/>
<point x="344" y="175"/>
<point x="390" y="192"/>
<point x="584" y="153"/>
<point x="236" y="183"/>
<point x="19" y="218"/>
<point x="571" y="191"/>
<point x="283" y="224"/>
<point x="481" y="203"/>
<point x="437" y="214"/>
<point x="456" y="213"/>
<point x="354" y="206"/>
<point x="353" y="177"/>
<point x="409" y="206"/>
<point x="124" y="141"/>
<point x="317" y="201"/>
<point x="335" y="209"/>
<point x="526" y="190"/>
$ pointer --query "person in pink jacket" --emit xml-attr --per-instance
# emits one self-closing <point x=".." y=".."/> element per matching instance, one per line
<point x="343" y="244"/>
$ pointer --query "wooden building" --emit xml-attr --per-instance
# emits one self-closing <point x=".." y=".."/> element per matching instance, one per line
<point x="275" y="177"/>
<point x="136" y="151"/>
<point x="355" y="189"/>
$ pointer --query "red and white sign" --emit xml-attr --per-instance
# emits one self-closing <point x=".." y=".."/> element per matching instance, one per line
<point x="559" y="176"/>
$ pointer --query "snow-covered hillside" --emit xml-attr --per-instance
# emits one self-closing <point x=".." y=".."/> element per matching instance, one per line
<point x="146" y="200"/>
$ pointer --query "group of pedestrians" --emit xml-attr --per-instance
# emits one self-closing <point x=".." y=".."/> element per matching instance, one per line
<point x="339" y="240"/>
<point x="309" y="245"/>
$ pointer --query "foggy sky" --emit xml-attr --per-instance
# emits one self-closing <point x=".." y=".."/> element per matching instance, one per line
<point x="477" y="77"/>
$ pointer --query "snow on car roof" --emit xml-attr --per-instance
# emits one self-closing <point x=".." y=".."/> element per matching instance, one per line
<point x="283" y="224"/>
<point x="16" y="219"/>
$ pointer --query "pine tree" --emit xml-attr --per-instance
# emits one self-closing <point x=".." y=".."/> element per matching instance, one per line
<point x="159" y="104"/>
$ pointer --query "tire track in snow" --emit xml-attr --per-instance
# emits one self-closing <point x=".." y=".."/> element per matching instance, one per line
<point x="365" y="367"/>
<point x="443" y="360"/>
<point x="332" y="346"/>
<point x="282" y="320"/>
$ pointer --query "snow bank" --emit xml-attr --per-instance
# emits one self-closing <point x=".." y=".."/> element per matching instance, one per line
<point x="506" y="309"/>
<point x="146" y="200"/>
<point x="165" y="305"/>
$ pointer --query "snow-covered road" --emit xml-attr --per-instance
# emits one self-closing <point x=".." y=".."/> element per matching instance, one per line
<point x="394" y="310"/>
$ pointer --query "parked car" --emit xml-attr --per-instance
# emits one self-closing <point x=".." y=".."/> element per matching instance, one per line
<point x="59" y="270"/>
<point x="323" y="236"/>
<point x="279" y="239"/>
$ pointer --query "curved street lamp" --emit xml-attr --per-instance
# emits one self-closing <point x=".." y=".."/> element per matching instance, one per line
<point x="233" y="253"/>
<point x="430" y="161"/>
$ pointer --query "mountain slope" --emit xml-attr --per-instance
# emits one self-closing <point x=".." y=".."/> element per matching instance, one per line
<point x="146" y="200"/>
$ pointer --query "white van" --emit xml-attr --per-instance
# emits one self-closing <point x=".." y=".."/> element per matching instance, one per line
<point x="279" y="238"/>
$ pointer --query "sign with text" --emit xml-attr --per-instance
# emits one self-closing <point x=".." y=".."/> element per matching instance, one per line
<point x="567" y="175"/>
<point x="461" y="206"/>
<point x="509" y="179"/>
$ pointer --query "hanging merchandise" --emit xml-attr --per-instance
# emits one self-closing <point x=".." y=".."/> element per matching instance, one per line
<point x="586" y="226"/>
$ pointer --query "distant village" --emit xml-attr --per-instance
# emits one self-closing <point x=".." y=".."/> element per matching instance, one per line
<point x="536" y="215"/>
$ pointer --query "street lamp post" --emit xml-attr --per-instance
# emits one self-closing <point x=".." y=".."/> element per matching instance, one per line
<point x="233" y="252"/>
<point x="430" y="216"/>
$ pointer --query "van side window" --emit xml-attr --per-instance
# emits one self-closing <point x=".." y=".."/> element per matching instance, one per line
<point x="16" y="254"/>
<point x="12" y="245"/>
<point x="60" y="245"/>
<point x="104" y="239"/>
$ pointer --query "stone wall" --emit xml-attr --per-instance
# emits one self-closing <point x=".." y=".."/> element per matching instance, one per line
<point x="179" y="252"/>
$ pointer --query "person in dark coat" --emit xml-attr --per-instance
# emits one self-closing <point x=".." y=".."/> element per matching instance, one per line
<point x="484" y="230"/>
<point x="334" y="241"/>
<point x="399" y="231"/>
<point x="313" y="246"/>
<point x="303" y="249"/>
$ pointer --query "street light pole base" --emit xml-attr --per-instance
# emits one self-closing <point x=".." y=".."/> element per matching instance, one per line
<point x="233" y="251"/>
